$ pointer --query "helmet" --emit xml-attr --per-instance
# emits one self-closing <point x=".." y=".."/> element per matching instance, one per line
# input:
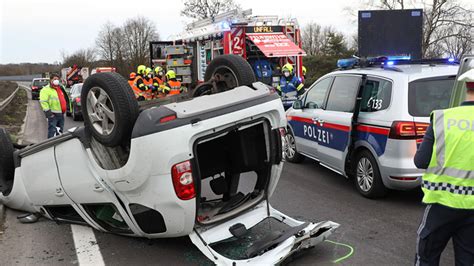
<point x="148" y="71"/>
<point x="304" y="70"/>
<point x="141" y="69"/>
<point x="170" y="74"/>
<point x="287" y="67"/>
<point x="133" y="75"/>
<point x="158" y="70"/>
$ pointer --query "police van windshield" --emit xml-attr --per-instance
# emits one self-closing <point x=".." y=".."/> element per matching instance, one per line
<point x="426" y="95"/>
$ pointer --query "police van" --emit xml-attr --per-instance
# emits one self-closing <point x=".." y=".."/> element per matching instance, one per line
<point x="367" y="119"/>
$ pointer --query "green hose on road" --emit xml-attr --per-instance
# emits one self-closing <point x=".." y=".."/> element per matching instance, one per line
<point x="351" y="252"/>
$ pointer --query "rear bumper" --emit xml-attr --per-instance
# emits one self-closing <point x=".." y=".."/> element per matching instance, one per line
<point x="397" y="167"/>
<point x="35" y="94"/>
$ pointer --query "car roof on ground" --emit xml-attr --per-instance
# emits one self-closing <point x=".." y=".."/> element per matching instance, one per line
<point x="413" y="72"/>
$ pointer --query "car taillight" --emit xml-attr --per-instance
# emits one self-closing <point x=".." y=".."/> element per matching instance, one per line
<point x="183" y="181"/>
<point x="34" y="88"/>
<point x="167" y="118"/>
<point x="408" y="130"/>
<point x="78" y="100"/>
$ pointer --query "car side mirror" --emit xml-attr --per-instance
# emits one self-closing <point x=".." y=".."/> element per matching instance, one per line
<point x="298" y="104"/>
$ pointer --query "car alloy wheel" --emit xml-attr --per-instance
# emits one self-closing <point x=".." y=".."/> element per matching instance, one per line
<point x="365" y="174"/>
<point x="100" y="111"/>
<point x="290" y="146"/>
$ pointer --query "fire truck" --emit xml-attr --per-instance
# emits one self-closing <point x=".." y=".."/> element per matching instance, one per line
<point x="266" y="42"/>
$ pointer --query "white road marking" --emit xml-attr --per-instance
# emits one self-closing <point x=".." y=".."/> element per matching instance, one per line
<point x="87" y="249"/>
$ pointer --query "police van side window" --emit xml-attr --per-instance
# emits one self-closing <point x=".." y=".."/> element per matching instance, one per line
<point x="343" y="94"/>
<point x="376" y="95"/>
<point x="317" y="94"/>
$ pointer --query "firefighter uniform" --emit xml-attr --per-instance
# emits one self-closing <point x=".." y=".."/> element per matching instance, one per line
<point x="448" y="186"/>
<point x="172" y="86"/>
<point x="140" y="86"/>
<point x="157" y="80"/>
<point x="289" y="82"/>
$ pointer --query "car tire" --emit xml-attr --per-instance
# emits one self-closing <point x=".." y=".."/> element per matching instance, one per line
<point x="7" y="168"/>
<point x="289" y="150"/>
<point x="107" y="96"/>
<point x="233" y="70"/>
<point x="367" y="177"/>
<point x="74" y="116"/>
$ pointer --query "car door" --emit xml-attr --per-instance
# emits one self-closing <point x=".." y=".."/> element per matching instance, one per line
<point x="335" y="122"/>
<point x="82" y="183"/>
<point x="459" y="91"/>
<point x="303" y="121"/>
<point x="260" y="236"/>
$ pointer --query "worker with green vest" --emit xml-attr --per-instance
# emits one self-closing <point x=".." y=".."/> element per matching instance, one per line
<point x="54" y="103"/>
<point x="447" y="154"/>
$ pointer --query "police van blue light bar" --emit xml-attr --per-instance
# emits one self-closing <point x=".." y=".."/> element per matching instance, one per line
<point x="389" y="61"/>
<point x="347" y="63"/>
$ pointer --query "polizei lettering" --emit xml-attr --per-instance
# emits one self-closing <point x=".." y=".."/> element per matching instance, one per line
<point x="461" y="124"/>
<point x="316" y="134"/>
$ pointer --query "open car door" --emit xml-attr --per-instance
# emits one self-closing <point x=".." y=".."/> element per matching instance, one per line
<point x="459" y="90"/>
<point x="260" y="236"/>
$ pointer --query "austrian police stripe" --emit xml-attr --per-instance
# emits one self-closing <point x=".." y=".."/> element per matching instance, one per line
<point x="461" y="190"/>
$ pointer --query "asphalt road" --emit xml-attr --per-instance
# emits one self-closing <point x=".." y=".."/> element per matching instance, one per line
<point x="382" y="232"/>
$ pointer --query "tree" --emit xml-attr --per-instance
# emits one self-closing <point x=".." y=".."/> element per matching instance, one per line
<point x="105" y="42"/>
<point x="202" y="9"/>
<point x="312" y="38"/>
<point x="334" y="43"/>
<point x="137" y="33"/>
<point x="82" y="57"/>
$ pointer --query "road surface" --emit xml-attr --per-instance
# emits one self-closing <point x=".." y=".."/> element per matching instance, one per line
<point x="382" y="232"/>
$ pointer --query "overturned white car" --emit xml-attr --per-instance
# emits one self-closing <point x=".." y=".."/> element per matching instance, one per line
<point x="198" y="166"/>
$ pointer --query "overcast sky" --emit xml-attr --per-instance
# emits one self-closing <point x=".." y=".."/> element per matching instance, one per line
<point x="39" y="30"/>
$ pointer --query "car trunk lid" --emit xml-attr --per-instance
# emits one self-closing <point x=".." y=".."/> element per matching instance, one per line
<point x="270" y="247"/>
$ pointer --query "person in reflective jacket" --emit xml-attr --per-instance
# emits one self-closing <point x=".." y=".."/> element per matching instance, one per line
<point x="447" y="154"/>
<point x="289" y="82"/>
<point x="54" y="103"/>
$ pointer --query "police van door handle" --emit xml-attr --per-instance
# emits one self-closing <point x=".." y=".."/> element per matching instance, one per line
<point x="315" y="119"/>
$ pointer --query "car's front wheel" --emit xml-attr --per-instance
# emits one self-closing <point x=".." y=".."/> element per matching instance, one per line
<point x="289" y="149"/>
<point x="368" y="179"/>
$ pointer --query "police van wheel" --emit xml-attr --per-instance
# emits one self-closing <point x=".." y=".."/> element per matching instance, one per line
<point x="109" y="108"/>
<point x="368" y="179"/>
<point x="7" y="168"/>
<point x="229" y="71"/>
<point x="289" y="150"/>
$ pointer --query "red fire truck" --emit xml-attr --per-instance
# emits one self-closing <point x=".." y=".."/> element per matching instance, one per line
<point x="266" y="42"/>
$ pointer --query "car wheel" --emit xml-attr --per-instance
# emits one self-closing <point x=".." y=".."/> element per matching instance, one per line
<point x="368" y="179"/>
<point x="289" y="149"/>
<point x="7" y="168"/>
<point x="227" y="72"/>
<point x="109" y="108"/>
<point x="74" y="115"/>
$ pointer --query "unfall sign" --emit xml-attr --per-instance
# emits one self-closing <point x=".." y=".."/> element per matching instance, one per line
<point x="275" y="44"/>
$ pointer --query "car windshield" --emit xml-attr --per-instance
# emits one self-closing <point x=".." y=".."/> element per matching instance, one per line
<point x="40" y="82"/>
<point x="426" y="95"/>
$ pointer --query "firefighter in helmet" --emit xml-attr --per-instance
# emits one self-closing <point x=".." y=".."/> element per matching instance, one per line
<point x="148" y="80"/>
<point x="132" y="79"/>
<point x="158" y="79"/>
<point x="289" y="82"/>
<point x="172" y="85"/>
<point x="140" y="86"/>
